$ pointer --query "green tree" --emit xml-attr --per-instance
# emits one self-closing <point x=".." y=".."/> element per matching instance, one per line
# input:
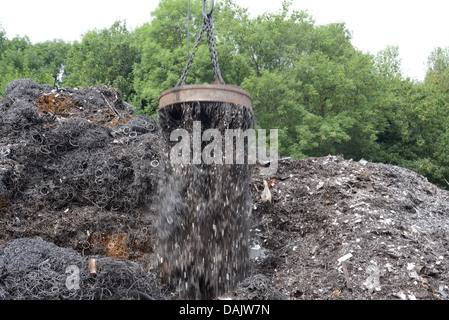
<point x="104" y="56"/>
<point x="50" y="56"/>
<point x="415" y="131"/>
<point x="3" y="40"/>
<point x="436" y="88"/>
<point x="22" y="59"/>
<point x="388" y="62"/>
<point x="313" y="85"/>
<point x="437" y="75"/>
<point x="274" y="41"/>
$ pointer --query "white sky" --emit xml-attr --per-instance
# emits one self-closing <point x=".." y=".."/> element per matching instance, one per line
<point x="417" y="27"/>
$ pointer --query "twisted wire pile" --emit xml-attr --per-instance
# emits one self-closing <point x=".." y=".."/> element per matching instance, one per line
<point x="77" y="168"/>
<point x="33" y="269"/>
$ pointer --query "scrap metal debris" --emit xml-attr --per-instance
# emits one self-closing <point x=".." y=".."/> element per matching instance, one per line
<point x="380" y="219"/>
<point x="77" y="175"/>
<point x="64" y="178"/>
<point x="33" y="269"/>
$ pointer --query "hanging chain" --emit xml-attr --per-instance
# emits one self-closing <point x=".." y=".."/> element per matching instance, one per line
<point x="192" y="56"/>
<point x="213" y="50"/>
<point x="208" y="27"/>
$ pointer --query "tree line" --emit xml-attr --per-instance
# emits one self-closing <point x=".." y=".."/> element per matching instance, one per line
<point x="324" y="95"/>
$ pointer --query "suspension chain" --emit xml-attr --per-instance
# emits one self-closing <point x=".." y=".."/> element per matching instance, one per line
<point x="213" y="50"/>
<point x="208" y="28"/>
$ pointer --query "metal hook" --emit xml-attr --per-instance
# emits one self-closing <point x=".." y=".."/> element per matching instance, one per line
<point x="204" y="8"/>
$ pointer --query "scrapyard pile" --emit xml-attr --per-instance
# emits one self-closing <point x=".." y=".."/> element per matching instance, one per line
<point x="79" y="178"/>
<point x="77" y="169"/>
<point x="341" y="229"/>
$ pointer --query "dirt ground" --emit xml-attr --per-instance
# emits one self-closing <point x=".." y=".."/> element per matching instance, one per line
<point x="335" y="228"/>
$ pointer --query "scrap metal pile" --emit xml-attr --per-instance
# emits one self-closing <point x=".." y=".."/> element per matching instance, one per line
<point x="77" y="169"/>
<point x="79" y="180"/>
<point x="35" y="269"/>
<point x="344" y="229"/>
<point x="74" y="146"/>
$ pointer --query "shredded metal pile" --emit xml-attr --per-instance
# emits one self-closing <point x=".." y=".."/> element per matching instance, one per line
<point x="68" y="146"/>
<point x="77" y="168"/>
<point x="81" y="172"/>
<point x="33" y="269"/>
<point x="388" y="226"/>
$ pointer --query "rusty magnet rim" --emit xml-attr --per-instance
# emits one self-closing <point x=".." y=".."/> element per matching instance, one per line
<point x="206" y="93"/>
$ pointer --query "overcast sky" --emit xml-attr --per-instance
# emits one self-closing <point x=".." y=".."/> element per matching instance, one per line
<point x="417" y="27"/>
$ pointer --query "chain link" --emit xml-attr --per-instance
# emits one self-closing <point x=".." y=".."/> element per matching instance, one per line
<point x="208" y="28"/>
<point x="213" y="50"/>
<point x="183" y="78"/>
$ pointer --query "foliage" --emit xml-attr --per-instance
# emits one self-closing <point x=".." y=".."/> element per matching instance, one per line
<point x="43" y="61"/>
<point x="3" y="40"/>
<point x="103" y="57"/>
